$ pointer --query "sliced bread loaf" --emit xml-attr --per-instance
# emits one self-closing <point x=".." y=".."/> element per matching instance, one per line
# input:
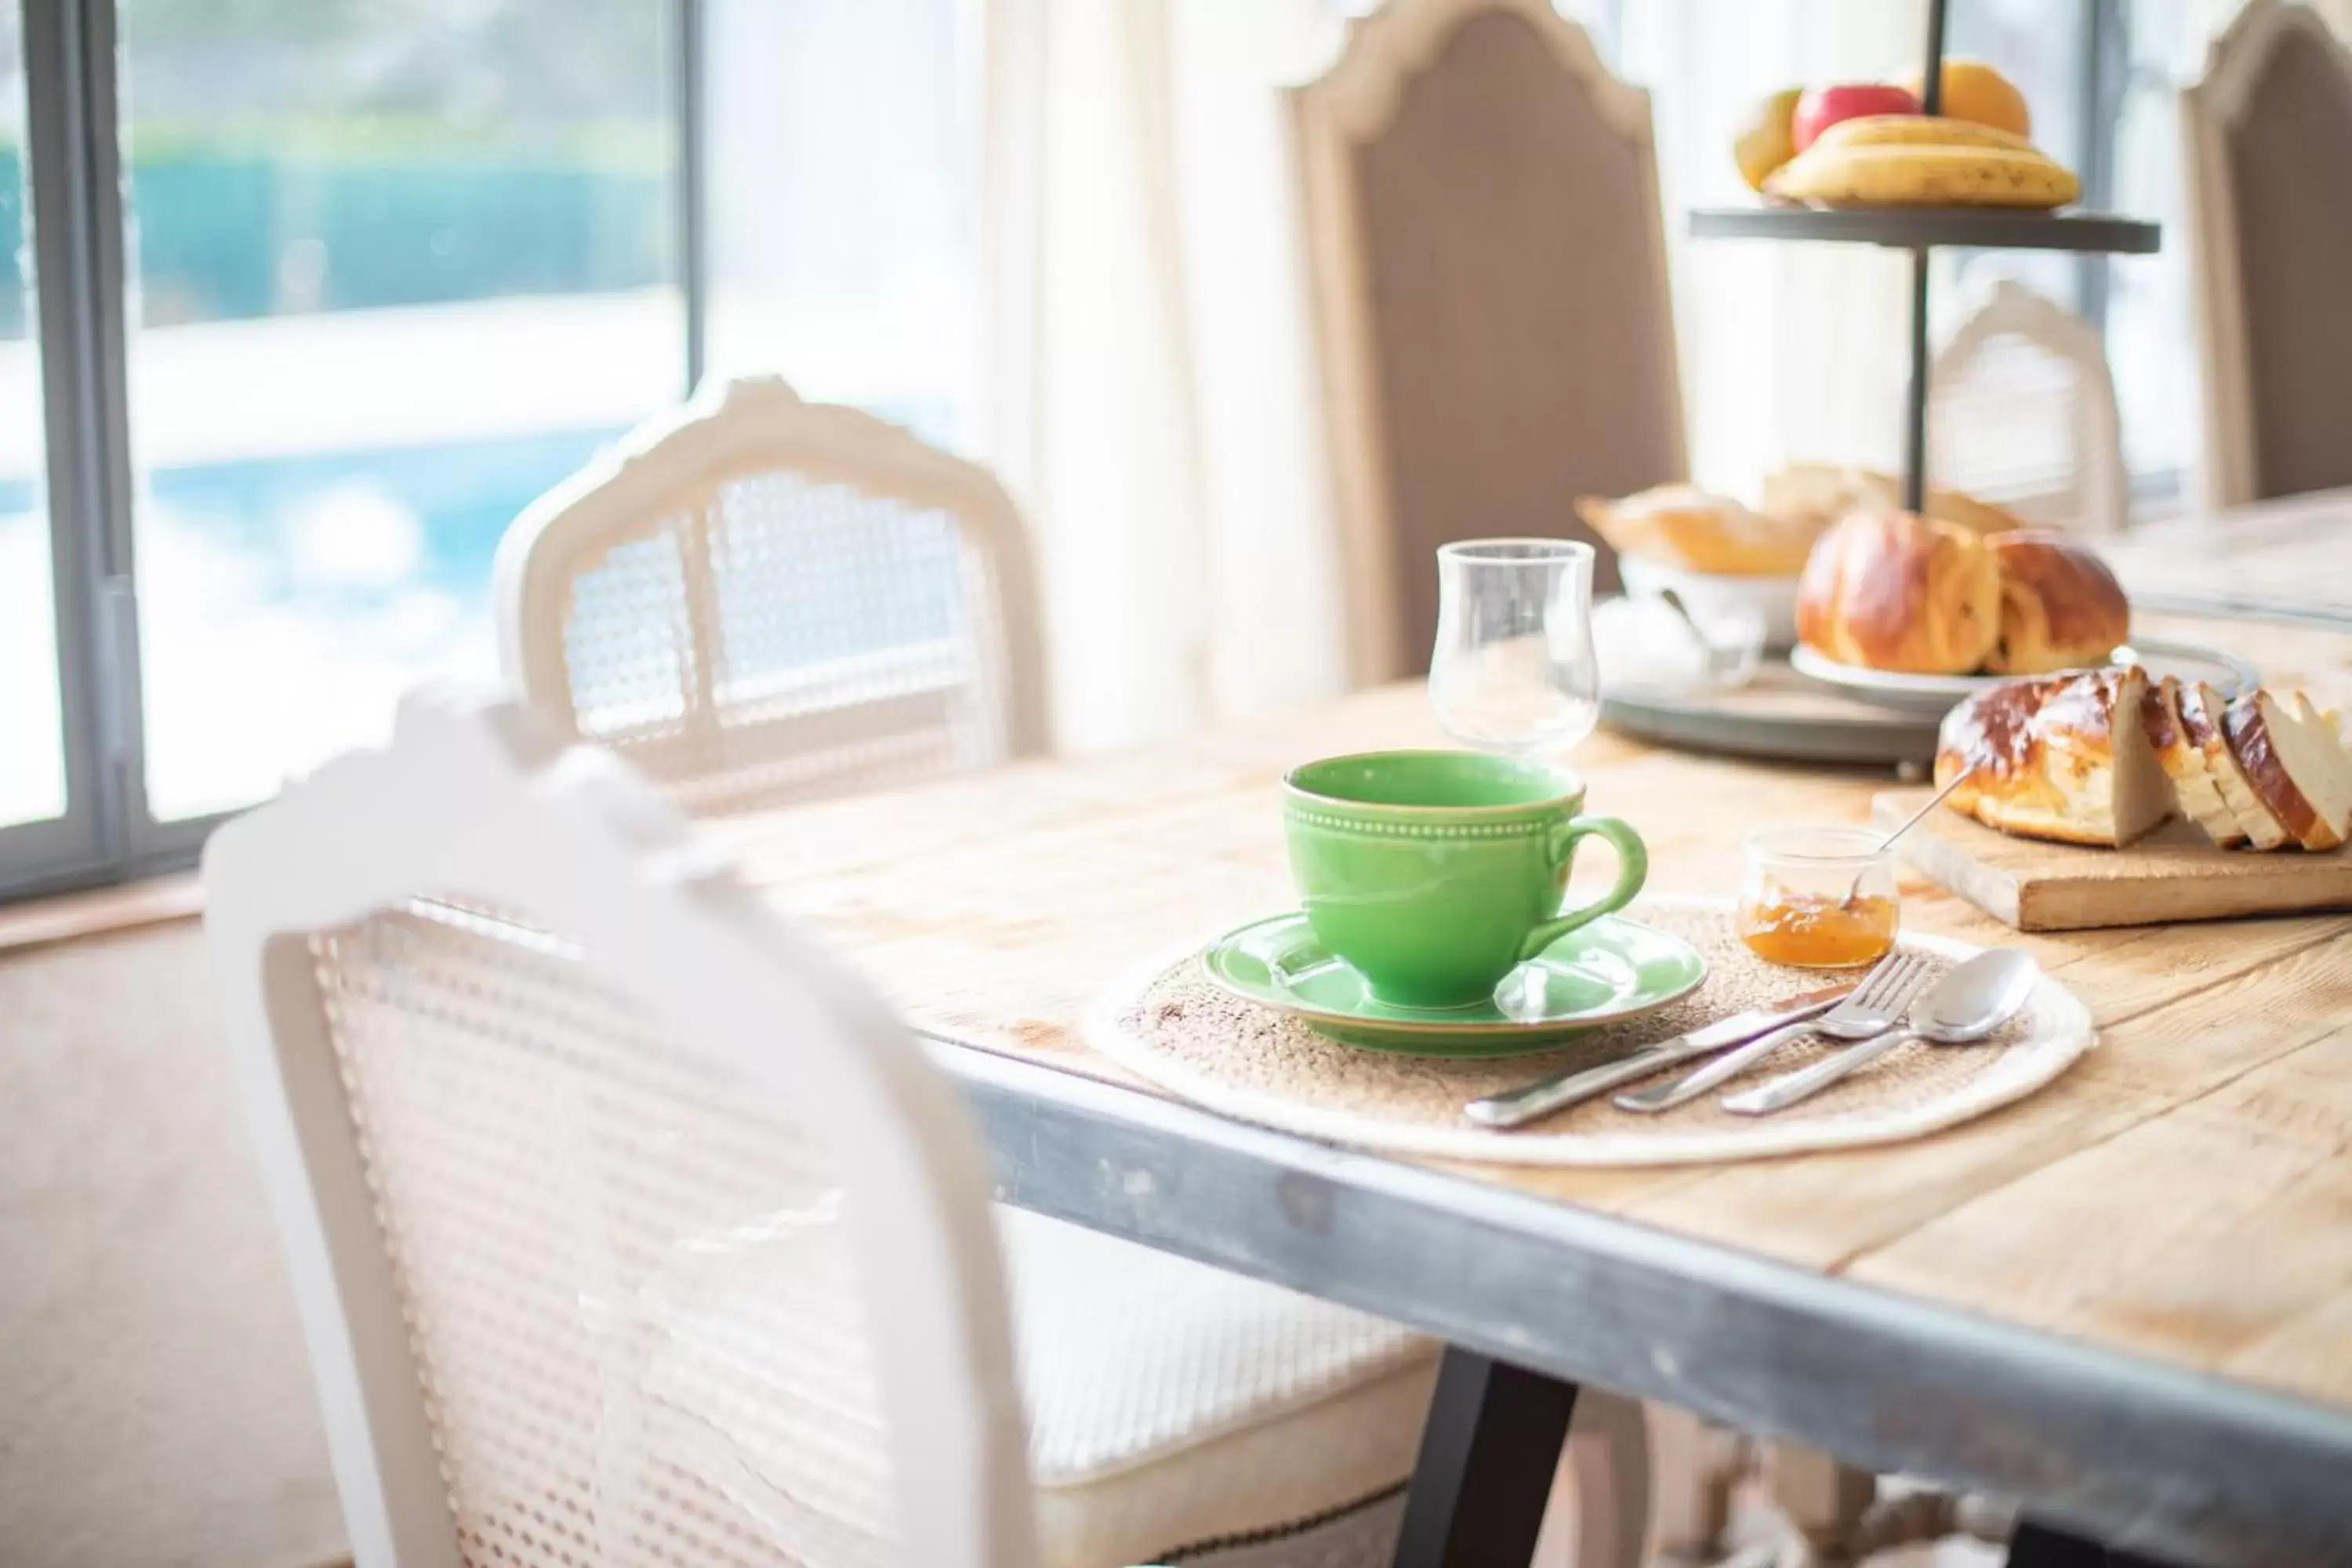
<point x="2064" y="757"/>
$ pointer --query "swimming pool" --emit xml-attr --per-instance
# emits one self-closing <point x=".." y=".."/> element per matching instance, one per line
<point x="285" y="601"/>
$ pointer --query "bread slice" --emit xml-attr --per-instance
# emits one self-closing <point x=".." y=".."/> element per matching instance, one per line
<point x="2291" y="767"/>
<point x="2141" y="798"/>
<point x="2311" y="713"/>
<point x="2328" y="749"/>
<point x="2184" y="764"/>
<point x="2204" y="721"/>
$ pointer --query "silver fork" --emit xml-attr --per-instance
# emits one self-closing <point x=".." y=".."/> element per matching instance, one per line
<point x="1876" y="1004"/>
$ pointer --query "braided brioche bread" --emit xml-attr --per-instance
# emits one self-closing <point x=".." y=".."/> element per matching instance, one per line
<point x="2061" y="608"/>
<point x="1891" y="591"/>
<point x="2065" y="757"/>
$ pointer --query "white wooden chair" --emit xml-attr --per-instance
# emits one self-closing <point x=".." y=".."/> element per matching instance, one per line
<point x="2021" y="413"/>
<point x="626" y="1227"/>
<point x="1488" y="264"/>
<point x="758" y="600"/>
<point x="2266" y="146"/>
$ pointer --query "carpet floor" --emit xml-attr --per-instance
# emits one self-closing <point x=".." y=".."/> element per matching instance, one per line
<point x="155" y="1403"/>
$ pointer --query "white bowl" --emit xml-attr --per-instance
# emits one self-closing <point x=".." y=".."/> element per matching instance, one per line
<point x="1773" y="598"/>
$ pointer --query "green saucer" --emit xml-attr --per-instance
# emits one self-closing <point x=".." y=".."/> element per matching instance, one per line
<point x="1614" y="968"/>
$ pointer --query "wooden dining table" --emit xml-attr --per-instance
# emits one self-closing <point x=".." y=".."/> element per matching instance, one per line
<point x="2288" y="559"/>
<point x="2124" y="1303"/>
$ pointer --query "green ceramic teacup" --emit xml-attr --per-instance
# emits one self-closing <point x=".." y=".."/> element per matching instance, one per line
<point x="1433" y="874"/>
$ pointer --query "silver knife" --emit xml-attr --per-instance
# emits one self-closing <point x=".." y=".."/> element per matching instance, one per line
<point x="1518" y="1107"/>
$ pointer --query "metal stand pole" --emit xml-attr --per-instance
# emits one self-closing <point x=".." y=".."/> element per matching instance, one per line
<point x="1914" y="411"/>
<point x="1914" y="397"/>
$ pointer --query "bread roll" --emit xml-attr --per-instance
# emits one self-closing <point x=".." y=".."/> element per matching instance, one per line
<point x="1979" y="516"/>
<point x="2061" y="757"/>
<point x="1824" y="494"/>
<point x="1891" y="591"/>
<point x="2061" y="608"/>
<point x="1683" y="526"/>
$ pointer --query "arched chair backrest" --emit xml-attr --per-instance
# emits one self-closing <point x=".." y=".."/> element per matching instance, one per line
<point x="2267" y="164"/>
<point x="760" y="600"/>
<point x="624" y="1225"/>
<point x="2021" y="413"/>
<point x="1487" y="262"/>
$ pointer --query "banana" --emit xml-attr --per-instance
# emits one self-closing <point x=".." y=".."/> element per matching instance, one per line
<point x="1919" y="131"/>
<point x="1907" y="174"/>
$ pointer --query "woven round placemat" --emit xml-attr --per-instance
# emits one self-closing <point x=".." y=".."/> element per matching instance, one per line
<point x="1170" y="1024"/>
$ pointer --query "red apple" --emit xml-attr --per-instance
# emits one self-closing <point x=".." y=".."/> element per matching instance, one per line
<point x="1822" y="107"/>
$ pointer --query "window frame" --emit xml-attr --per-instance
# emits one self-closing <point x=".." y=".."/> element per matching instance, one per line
<point x="63" y="168"/>
<point x="74" y="207"/>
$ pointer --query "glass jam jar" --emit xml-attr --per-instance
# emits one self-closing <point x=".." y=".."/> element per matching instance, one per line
<point x="1818" y="897"/>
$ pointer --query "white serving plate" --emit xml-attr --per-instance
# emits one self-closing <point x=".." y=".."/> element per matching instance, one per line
<point x="1932" y="695"/>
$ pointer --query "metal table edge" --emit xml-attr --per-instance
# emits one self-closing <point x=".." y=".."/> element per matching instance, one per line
<point x="2150" y="1456"/>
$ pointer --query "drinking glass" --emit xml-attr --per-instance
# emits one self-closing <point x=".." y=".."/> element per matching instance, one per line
<point x="1514" y="670"/>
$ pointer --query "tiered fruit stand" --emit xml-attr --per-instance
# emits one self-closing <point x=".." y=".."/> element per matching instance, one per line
<point x="1921" y="231"/>
<point x="1783" y="716"/>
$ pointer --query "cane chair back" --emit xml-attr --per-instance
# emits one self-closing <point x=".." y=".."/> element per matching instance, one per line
<point x="762" y="600"/>
<point x="625" y="1227"/>
<point x="2021" y="413"/>
<point x="2267" y="160"/>
<point x="1487" y="262"/>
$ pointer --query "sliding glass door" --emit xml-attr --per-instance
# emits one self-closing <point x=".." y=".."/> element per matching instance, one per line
<point x="32" y="736"/>
<point x="397" y="268"/>
<point x="54" y="810"/>
<point x="301" y="301"/>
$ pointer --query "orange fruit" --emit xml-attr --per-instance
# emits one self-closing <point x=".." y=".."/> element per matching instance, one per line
<point x="1974" y="92"/>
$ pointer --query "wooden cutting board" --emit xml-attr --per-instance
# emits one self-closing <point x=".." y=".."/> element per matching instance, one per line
<point x="2174" y="874"/>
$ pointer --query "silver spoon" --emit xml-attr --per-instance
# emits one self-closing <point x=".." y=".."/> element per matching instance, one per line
<point x="1854" y="893"/>
<point x="1717" y="664"/>
<point x="1961" y="1008"/>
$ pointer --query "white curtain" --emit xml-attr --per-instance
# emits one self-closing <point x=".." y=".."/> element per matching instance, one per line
<point x="1151" y="386"/>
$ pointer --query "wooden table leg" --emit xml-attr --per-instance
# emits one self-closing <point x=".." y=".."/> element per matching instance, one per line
<point x="1693" y="1468"/>
<point x="1823" y="1500"/>
<point x="1602" y="1496"/>
<point x="1488" y="1452"/>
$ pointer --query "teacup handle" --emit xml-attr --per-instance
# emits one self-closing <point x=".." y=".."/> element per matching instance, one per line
<point x="1632" y="871"/>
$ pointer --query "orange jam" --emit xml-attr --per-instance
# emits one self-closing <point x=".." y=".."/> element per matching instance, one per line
<point x="1816" y="932"/>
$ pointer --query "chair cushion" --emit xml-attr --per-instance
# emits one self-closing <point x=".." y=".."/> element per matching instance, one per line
<point x="1174" y="1408"/>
